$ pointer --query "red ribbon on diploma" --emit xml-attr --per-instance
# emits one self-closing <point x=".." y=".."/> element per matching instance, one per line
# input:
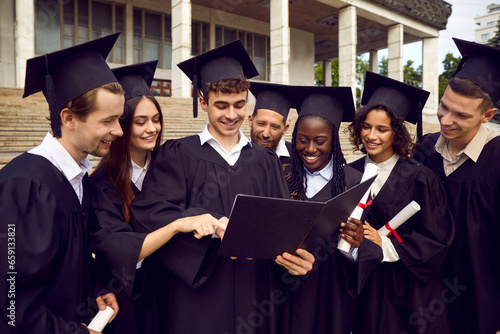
<point x="364" y="206"/>
<point x="393" y="231"/>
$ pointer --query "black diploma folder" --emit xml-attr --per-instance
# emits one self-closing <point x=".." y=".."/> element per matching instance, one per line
<point x="264" y="227"/>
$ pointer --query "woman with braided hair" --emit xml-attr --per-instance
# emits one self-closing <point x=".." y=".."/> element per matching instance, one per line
<point x="320" y="301"/>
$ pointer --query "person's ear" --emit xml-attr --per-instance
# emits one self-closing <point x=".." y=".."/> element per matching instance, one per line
<point x="286" y="129"/>
<point x="68" y="118"/>
<point x="250" y="119"/>
<point x="203" y="104"/>
<point x="488" y="115"/>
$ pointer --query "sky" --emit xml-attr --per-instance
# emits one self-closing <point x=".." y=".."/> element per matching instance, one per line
<point x="460" y="24"/>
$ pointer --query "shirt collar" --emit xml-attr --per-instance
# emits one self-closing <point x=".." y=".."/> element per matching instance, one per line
<point x="281" y="150"/>
<point x="206" y="136"/>
<point x="61" y="158"/>
<point x="384" y="164"/>
<point x="472" y="150"/>
<point x="138" y="170"/>
<point x="326" y="172"/>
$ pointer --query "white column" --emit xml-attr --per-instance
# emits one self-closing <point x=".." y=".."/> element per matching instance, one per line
<point x="212" y="34"/>
<point x="129" y="35"/>
<point x="24" y="37"/>
<point x="395" y="54"/>
<point x="430" y="78"/>
<point x="373" y="65"/>
<point x="280" y="42"/>
<point x="347" y="47"/>
<point x="327" y="72"/>
<point x="181" y="46"/>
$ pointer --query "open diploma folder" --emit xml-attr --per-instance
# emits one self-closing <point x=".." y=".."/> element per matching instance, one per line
<point x="263" y="227"/>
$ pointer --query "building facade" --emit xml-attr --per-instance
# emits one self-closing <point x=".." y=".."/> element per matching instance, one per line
<point x="487" y="24"/>
<point x="283" y="37"/>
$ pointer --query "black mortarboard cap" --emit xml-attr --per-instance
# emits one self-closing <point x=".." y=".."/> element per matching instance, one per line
<point x="335" y="104"/>
<point x="274" y="97"/>
<point x="481" y="65"/>
<point x="66" y="74"/>
<point x="407" y="101"/>
<point x="136" y="79"/>
<point x="229" y="61"/>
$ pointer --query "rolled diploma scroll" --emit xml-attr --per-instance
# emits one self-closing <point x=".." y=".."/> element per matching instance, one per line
<point x="370" y="171"/>
<point x="400" y="218"/>
<point x="101" y="319"/>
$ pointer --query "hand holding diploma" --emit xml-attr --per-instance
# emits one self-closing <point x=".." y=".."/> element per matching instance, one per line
<point x="352" y="232"/>
<point x="370" y="171"/>
<point x="399" y="219"/>
<point x="108" y="307"/>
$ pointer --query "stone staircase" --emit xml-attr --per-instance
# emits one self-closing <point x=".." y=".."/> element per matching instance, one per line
<point x="23" y="123"/>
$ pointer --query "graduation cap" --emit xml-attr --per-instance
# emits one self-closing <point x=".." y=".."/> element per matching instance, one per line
<point x="229" y="61"/>
<point x="407" y="101"/>
<point x="274" y="97"/>
<point x="136" y="79"/>
<point x="332" y="103"/>
<point x="66" y="74"/>
<point x="481" y="65"/>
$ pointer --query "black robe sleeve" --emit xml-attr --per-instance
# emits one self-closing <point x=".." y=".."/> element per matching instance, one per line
<point x="430" y="232"/>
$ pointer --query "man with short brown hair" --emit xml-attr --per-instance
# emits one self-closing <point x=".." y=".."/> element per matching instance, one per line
<point x="43" y="195"/>
<point x="465" y="156"/>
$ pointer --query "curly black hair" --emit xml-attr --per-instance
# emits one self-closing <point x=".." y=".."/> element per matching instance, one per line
<point x="296" y="179"/>
<point x="402" y="142"/>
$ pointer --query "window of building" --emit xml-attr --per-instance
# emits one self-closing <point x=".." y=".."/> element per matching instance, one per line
<point x="200" y="38"/>
<point x="256" y="45"/>
<point x="66" y="23"/>
<point x="491" y="24"/>
<point x="161" y="88"/>
<point x="152" y="38"/>
<point x="485" y="37"/>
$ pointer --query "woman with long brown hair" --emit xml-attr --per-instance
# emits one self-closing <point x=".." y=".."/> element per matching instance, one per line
<point x="115" y="183"/>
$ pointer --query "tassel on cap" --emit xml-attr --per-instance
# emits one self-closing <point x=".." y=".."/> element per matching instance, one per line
<point x="419" y="122"/>
<point x="50" y="95"/>
<point x="195" y="96"/>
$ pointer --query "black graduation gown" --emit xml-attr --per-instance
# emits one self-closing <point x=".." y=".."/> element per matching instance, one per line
<point x="117" y="247"/>
<point x="406" y="296"/>
<point x="50" y="285"/>
<point x="471" y="270"/>
<point x="320" y="302"/>
<point x="209" y="294"/>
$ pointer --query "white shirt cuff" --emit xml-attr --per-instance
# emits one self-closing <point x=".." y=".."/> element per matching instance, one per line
<point x="390" y="253"/>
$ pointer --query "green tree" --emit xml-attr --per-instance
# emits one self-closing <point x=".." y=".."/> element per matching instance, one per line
<point x="383" y="67"/>
<point x="450" y="64"/>
<point x="412" y="76"/>
<point x="318" y="73"/>
<point x="362" y="66"/>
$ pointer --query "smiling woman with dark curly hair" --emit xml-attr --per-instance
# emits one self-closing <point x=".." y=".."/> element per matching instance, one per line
<point x="391" y="293"/>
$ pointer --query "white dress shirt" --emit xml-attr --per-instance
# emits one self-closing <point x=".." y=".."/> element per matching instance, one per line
<point x="317" y="180"/>
<point x="138" y="173"/>
<point x="281" y="150"/>
<point x="230" y="157"/>
<point x="52" y="150"/>
<point x="472" y="150"/>
<point x="384" y="170"/>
